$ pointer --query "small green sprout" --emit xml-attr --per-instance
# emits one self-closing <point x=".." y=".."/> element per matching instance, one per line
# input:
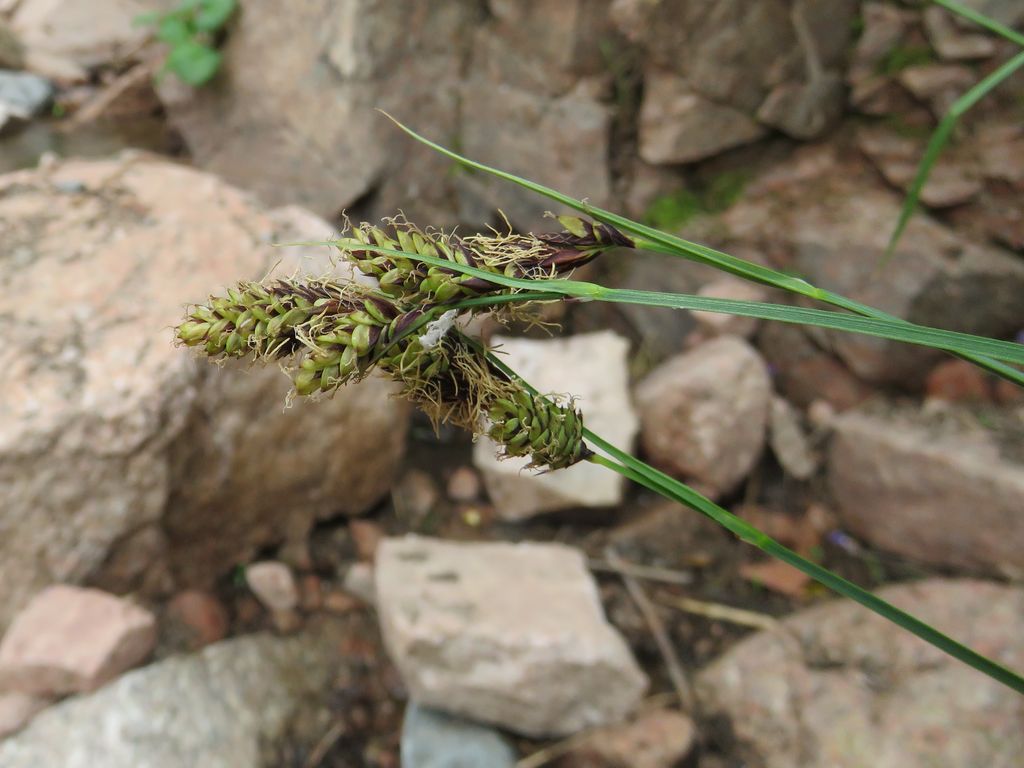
<point x="191" y="31"/>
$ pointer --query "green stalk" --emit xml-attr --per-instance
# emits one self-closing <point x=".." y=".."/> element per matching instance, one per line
<point x="938" y="141"/>
<point x="886" y="327"/>
<point x="657" y="481"/>
<point x="661" y="242"/>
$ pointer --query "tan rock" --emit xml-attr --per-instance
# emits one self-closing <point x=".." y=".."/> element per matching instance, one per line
<point x="525" y="132"/>
<point x="591" y="367"/>
<point x="678" y="125"/>
<point x="298" y="124"/>
<point x="88" y="33"/>
<point x="789" y="441"/>
<point x="951" y="43"/>
<point x="704" y="413"/>
<point x="840" y="686"/>
<point x="107" y="430"/>
<point x="661" y="738"/>
<point x="464" y="485"/>
<point x="510" y="634"/>
<point x="273" y="584"/>
<point x="70" y="639"/>
<point x="929" y="490"/>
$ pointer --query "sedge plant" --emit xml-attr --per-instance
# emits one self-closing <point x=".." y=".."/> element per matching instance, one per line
<point x="406" y="326"/>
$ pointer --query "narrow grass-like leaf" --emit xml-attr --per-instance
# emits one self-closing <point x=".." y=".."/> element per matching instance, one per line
<point x="948" y="341"/>
<point x="938" y="141"/>
<point x="639" y="472"/>
<point x="662" y="242"/>
<point x="982" y="20"/>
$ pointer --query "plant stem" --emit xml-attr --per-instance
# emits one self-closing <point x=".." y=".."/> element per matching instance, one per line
<point x="670" y="488"/>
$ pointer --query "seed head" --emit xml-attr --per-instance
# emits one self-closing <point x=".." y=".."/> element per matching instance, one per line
<point x="550" y="433"/>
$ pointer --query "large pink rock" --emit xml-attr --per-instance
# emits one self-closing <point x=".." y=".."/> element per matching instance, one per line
<point x="70" y="639"/>
<point x="126" y="462"/>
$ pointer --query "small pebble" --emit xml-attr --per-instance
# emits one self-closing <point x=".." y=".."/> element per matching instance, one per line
<point x="464" y="485"/>
<point x="273" y="584"/>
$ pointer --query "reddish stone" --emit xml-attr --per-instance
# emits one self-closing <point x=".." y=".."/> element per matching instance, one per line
<point x="312" y="597"/>
<point x="957" y="381"/>
<point x="367" y="535"/>
<point x="201" y="616"/>
<point x="70" y="639"/>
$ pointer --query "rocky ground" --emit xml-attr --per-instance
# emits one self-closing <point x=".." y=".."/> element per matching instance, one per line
<point x="196" y="571"/>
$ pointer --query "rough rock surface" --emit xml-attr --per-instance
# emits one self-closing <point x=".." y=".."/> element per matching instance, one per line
<point x="840" y="686"/>
<point x="511" y="634"/>
<point x="717" y="72"/>
<point x="680" y="126"/>
<point x="23" y="95"/>
<point x="432" y="739"/>
<point x="703" y="413"/>
<point x="830" y="222"/>
<point x="789" y="441"/>
<point x="123" y="459"/>
<point x="661" y="738"/>
<point x="591" y="367"/>
<point x="306" y="110"/>
<point x="934" y="491"/>
<point x="230" y="705"/>
<point x="86" y="33"/>
<point x="70" y="639"/>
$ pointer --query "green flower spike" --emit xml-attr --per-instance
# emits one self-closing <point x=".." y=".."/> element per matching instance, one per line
<point x="550" y="433"/>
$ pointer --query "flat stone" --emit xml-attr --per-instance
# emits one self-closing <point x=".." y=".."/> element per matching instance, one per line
<point x="238" y="703"/>
<point x="88" y="33"/>
<point x="678" y="125"/>
<point x="273" y="584"/>
<point x="833" y="227"/>
<point x="789" y="441"/>
<point x="951" y="43"/>
<point x="70" y="639"/>
<point x="841" y="686"/>
<point x="18" y="709"/>
<point x="509" y="634"/>
<point x="884" y="27"/>
<point x="896" y="157"/>
<point x="24" y="95"/>
<point x="592" y="368"/>
<point x="939" y="85"/>
<point x="704" y="413"/>
<point x="524" y="132"/>
<point x="662" y="738"/>
<point x="933" y="490"/>
<point x="805" y="110"/>
<point x="464" y="485"/>
<point x="124" y="460"/>
<point x="433" y="739"/>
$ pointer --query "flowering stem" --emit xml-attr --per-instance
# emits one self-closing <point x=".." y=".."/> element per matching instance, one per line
<point x="639" y="472"/>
